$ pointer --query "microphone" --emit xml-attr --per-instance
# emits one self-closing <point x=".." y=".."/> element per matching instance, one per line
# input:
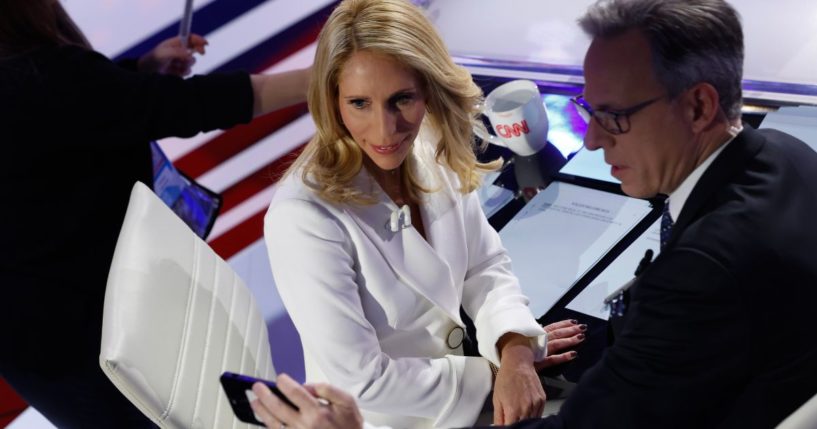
<point x="399" y="219"/>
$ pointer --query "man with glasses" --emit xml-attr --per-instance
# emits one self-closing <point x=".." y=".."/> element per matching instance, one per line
<point x="718" y="332"/>
<point x="719" y="328"/>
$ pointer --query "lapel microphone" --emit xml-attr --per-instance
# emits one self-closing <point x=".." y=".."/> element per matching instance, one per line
<point x="399" y="219"/>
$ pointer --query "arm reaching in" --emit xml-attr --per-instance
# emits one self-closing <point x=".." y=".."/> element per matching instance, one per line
<point x="275" y="91"/>
<point x="270" y="91"/>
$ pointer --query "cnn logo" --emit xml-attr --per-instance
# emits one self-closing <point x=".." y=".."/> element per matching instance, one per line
<point x="513" y="130"/>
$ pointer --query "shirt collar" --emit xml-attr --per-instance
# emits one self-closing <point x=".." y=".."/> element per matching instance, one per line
<point x="679" y="196"/>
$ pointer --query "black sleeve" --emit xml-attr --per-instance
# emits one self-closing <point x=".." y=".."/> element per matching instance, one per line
<point x="146" y="106"/>
<point x="681" y="354"/>
<point x="130" y="64"/>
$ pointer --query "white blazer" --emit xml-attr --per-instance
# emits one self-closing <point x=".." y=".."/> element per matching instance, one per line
<point x="378" y="311"/>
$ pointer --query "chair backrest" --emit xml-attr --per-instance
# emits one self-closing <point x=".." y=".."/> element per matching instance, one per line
<point x="804" y="417"/>
<point x="176" y="316"/>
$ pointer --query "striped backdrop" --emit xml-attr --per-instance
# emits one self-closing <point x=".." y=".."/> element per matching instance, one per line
<point x="243" y="163"/>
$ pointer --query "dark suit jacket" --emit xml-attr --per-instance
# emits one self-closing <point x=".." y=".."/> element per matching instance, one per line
<point x="721" y="327"/>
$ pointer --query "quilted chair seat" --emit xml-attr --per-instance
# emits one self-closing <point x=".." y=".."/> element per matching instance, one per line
<point x="177" y="316"/>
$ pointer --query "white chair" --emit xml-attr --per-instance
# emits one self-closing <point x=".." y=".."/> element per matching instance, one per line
<point x="176" y="316"/>
<point x="804" y="417"/>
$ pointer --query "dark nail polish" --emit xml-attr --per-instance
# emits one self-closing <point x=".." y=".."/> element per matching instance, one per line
<point x="580" y="336"/>
<point x="574" y="321"/>
<point x="573" y="354"/>
<point x="582" y="327"/>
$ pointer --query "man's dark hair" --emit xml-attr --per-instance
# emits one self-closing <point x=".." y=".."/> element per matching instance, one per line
<point x="692" y="41"/>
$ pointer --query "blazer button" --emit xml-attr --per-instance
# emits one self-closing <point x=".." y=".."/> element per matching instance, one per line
<point x="455" y="337"/>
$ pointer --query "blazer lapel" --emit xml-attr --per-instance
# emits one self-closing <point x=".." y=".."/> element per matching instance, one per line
<point x="733" y="159"/>
<point x="411" y="258"/>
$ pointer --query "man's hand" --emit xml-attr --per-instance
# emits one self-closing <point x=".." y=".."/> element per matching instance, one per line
<point x="320" y="406"/>
<point x="170" y="57"/>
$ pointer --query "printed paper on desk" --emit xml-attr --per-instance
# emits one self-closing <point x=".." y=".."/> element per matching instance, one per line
<point x="562" y="233"/>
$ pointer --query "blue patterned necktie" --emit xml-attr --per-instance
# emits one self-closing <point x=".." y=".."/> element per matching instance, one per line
<point x="666" y="225"/>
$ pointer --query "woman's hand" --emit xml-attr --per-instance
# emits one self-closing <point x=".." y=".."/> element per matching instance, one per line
<point x="320" y="406"/>
<point x="563" y="335"/>
<point x="170" y="57"/>
<point x="518" y="393"/>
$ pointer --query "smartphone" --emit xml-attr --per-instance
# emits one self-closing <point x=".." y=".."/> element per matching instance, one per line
<point x="239" y="392"/>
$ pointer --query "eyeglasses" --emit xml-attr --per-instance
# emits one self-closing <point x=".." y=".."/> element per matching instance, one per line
<point x="614" y="121"/>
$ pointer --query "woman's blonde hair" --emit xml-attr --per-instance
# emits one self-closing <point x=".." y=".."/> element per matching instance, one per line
<point x="397" y="29"/>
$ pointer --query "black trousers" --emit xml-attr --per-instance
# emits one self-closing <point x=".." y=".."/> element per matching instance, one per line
<point x="81" y="398"/>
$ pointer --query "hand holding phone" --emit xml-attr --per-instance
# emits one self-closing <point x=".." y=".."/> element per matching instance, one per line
<point x="239" y="392"/>
<point x="320" y="406"/>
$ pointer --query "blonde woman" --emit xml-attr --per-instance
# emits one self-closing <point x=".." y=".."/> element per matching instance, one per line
<point x="377" y="239"/>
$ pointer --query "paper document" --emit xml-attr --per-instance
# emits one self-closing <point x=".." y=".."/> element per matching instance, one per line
<point x="563" y="232"/>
